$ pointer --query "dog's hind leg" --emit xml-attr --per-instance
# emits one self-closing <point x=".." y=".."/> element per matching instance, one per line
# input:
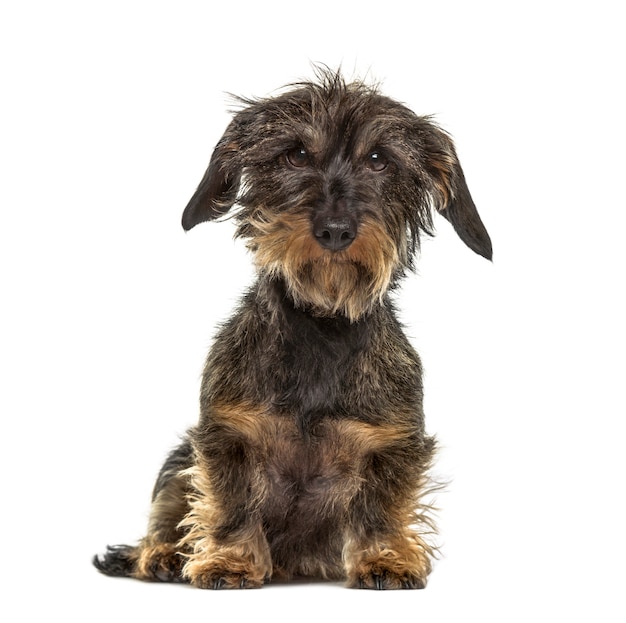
<point x="157" y="556"/>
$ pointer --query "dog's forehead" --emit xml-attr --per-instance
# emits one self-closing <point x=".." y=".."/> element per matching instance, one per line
<point x="354" y="114"/>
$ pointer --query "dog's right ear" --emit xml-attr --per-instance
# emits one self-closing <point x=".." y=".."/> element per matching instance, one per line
<point x="217" y="192"/>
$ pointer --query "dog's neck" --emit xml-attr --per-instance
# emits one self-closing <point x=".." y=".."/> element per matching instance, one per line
<point x="315" y="352"/>
<point x="305" y="306"/>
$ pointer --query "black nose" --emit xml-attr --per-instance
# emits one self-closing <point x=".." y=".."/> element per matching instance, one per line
<point x="334" y="232"/>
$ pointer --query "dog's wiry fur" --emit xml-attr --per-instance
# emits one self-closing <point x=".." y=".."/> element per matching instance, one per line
<point x="310" y="456"/>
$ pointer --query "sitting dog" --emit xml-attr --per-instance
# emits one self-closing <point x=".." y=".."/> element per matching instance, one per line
<point x="310" y="456"/>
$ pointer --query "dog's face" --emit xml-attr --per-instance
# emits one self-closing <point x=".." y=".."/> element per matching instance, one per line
<point x="335" y="183"/>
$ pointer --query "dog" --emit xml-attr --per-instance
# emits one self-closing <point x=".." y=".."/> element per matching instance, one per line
<point x="310" y="456"/>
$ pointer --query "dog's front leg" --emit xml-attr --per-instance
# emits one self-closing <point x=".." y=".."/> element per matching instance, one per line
<point x="225" y="538"/>
<point x="385" y="546"/>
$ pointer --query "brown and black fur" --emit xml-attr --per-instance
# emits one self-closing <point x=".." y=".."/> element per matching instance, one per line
<point x="310" y="457"/>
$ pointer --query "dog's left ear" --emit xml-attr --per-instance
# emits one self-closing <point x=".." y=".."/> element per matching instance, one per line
<point x="218" y="189"/>
<point x="452" y="196"/>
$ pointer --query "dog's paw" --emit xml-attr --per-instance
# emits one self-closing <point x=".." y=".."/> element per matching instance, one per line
<point x="225" y="572"/>
<point x="384" y="579"/>
<point x="161" y="562"/>
<point x="387" y="568"/>
<point x="218" y="578"/>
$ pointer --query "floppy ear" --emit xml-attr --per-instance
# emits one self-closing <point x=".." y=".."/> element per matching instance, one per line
<point x="217" y="191"/>
<point x="452" y="196"/>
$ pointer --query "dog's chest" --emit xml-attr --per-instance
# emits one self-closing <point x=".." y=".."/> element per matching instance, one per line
<point x="309" y="476"/>
<point x="317" y="357"/>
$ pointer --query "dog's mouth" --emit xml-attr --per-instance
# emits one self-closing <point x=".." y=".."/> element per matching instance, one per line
<point x="334" y="274"/>
<point x="335" y="257"/>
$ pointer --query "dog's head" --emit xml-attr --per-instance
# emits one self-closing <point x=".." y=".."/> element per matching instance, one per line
<point x="335" y="183"/>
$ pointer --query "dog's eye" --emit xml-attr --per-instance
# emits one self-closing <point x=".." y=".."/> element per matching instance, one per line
<point x="376" y="161"/>
<point x="298" y="157"/>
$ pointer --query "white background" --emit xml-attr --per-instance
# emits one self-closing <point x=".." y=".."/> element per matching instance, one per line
<point x="109" y="112"/>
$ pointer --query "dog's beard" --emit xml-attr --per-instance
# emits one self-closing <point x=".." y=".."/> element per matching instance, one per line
<point x="326" y="283"/>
